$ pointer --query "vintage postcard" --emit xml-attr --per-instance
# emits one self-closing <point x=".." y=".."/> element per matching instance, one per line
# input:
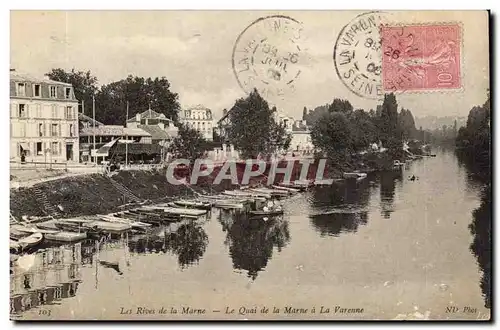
<point x="250" y="165"/>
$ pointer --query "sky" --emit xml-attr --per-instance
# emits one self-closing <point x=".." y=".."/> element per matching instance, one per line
<point x="194" y="51"/>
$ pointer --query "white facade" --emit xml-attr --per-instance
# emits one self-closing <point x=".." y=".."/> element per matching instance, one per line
<point x="43" y="120"/>
<point x="301" y="141"/>
<point x="199" y="118"/>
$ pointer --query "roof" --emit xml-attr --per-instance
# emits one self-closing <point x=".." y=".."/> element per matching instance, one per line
<point x="112" y="130"/>
<point x="156" y="132"/>
<point x="81" y="116"/>
<point x="137" y="148"/>
<point x="149" y="114"/>
<point x="17" y="76"/>
<point x="199" y="107"/>
<point x="300" y="129"/>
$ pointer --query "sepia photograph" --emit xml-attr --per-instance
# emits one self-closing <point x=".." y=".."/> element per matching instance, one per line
<point x="277" y="165"/>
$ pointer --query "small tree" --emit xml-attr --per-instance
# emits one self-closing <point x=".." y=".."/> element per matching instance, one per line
<point x="189" y="144"/>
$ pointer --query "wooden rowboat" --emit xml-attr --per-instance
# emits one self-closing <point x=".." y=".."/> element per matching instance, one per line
<point x="263" y="213"/>
<point x="30" y="241"/>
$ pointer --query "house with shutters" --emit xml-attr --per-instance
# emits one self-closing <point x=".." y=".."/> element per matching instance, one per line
<point x="43" y="120"/>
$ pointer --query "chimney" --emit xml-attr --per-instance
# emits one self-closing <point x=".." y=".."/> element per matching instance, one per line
<point x="138" y="117"/>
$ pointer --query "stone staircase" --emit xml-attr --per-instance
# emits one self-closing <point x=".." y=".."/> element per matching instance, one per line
<point x="124" y="190"/>
<point x="48" y="208"/>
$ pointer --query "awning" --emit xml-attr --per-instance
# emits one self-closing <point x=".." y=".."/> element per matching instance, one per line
<point x="103" y="151"/>
<point x="25" y="146"/>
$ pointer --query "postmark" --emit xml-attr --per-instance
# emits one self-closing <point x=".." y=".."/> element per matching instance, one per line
<point x="358" y="57"/>
<point x="267" y="56"/>
<point x="421" y="57"/>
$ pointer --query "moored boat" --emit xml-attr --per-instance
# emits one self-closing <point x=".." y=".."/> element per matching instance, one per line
<point x="269" y="213"/>
<point x="66" y="236"/>
<point x="192" y="204"/>
<point x="292" y="190"/>
<point x="354" y="175"/>
<point x="243" y="193"/>
<point x="272" y="192"/>
<point x="30" y="241"/>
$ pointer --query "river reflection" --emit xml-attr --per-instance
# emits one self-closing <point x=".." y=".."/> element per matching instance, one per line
<point x="340" y="208"/>
<point x="479" y="176"/>
<point x="332" y="244"/>
<point x="187" y="240"/>
<point x="251" y="242"/>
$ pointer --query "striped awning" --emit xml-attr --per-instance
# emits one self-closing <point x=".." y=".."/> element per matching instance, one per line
<point x="104" y="150"/>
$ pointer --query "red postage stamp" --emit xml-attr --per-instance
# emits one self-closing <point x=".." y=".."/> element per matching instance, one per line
<point x="421" y="57"/>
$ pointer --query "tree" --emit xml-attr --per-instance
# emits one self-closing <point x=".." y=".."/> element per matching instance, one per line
<point x="189" y="144"/>
<point x="363" y="130"/>
<point x="388" y="125"/>
<point x="340" y="105"/>
<point x="316" y="113"/>
<point x="332" y="134"/>
<point x="253" y="128"/>
<point x="84" y="85"/>
<point x="407" y="124"/>
<point x="141" y="94"/>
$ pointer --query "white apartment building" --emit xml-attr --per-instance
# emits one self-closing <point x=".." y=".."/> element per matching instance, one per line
<point x="199" y="118"/>
<point x="43" y="120"/>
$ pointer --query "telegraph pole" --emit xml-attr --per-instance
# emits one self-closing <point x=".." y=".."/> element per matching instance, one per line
<point x="93" y="130"/>
<point x="126" y="140"/>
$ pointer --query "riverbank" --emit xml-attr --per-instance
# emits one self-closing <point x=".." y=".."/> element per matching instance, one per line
<point x="99" y="193"/>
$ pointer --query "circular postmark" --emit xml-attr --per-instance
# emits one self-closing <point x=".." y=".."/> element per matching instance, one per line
<point x="267" y="55"/>
<point x="358" y="55"/>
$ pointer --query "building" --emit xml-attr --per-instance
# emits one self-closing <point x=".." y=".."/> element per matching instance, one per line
<point x="301" y="135"/>
<point x="301" y="138"/>
<point x="43" y="120"/>
<point x="199" y="118"/>
<point x="106" y="135"/>
<point x="161" y="128"/>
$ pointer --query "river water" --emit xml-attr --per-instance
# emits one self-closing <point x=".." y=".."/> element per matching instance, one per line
<point x="383" y="248"/>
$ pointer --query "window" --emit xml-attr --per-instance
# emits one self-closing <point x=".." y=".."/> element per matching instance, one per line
<point x="22" y="110"/>
<point x="22" y="129"/>
<point x="203" y="126"/>
<point x="21" y="89"/>
<point x="53" y="92"/>
<point x="53" y="131"/>
<point x="38" y="110"/>
<point x="39" y="150"/>
<point x="70" y="129"/>
<point x="69" y="112"/>
<point x="67" y="93"/>
<point x="55" y="148"/>
<point x="40" y="129"/>
<point x="37" y="90"/>
<point x="54" y="111"/>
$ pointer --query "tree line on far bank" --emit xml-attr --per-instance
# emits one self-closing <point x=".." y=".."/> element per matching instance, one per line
<point x="340" y="131"/>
